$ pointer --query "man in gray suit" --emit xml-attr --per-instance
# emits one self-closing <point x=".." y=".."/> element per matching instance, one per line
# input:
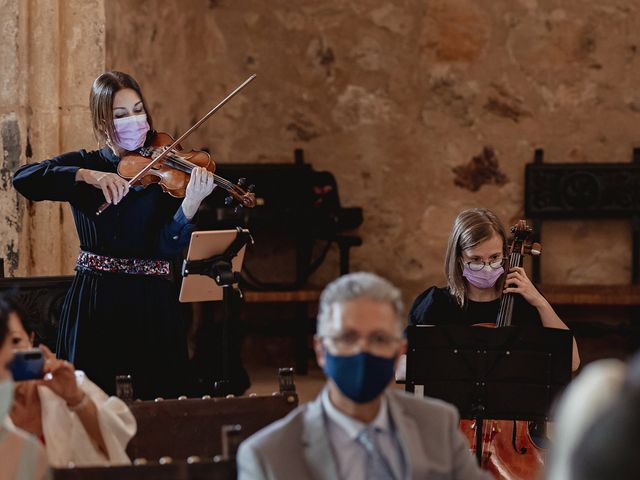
<point x="358" y="428"/>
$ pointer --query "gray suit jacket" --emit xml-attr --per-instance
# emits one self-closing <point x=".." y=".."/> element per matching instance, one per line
<point x="297" y="446"/>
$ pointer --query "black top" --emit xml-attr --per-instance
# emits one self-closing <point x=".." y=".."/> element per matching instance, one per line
<point x="147" y="223"/>
<point x="436" y="306"/>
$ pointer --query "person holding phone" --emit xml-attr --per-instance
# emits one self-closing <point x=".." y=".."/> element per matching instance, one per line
<point x="21" y="455"/>
<point x="78" y="423"/>
<point x="121" y="314"/>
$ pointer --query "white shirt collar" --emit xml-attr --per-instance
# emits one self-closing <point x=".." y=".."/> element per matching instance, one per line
<point x="350" y="425"/>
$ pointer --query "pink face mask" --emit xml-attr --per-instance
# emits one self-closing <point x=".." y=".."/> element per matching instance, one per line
<point x="131" y="132"/>
<point x="485" y="278"/>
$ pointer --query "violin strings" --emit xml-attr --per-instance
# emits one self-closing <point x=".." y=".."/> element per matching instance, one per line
<point x="226" y="184"/>
<point x="219" y="180"/>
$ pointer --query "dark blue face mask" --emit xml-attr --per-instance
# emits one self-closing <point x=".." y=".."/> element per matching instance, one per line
<point x="361" y="377"/>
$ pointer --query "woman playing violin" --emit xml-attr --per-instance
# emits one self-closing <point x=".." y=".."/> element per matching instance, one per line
<point x="121" y="314"/>
<point x="476" y="277"/>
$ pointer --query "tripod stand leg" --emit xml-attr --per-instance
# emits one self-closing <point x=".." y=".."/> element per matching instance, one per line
<point x="223" y="386"/>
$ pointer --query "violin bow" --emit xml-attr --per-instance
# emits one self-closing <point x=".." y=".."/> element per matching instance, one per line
<point x="170" y="148"/>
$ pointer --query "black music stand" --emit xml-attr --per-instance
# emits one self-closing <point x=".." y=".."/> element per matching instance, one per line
<point x="220" y="267"/>
<point x="507" y="373"/>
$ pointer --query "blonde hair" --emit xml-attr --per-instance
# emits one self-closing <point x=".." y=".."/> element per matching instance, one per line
<point x="103" y="90"/>
<point x="469" y="229"/>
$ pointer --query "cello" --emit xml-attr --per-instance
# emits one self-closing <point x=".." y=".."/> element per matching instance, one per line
<point x="508" y="449"/>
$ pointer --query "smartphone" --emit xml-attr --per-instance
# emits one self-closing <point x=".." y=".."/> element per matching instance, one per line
<point x="27" y="364"/>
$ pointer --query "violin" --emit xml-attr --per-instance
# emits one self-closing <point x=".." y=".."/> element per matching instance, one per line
<point x="174" y="171"/>
<point x="509" y="451"/>
<point x="165" y="163"/>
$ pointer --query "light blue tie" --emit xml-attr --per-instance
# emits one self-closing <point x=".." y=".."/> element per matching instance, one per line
<point x="377" y="467"/>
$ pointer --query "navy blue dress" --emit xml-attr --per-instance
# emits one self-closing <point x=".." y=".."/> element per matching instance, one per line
<point x="114" y="323"/>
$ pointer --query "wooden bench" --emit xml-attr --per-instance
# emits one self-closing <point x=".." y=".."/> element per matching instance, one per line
<point x="208" y="469"/>
<point x="42" y="299"/>
<point x="297" y="220"/>
<point x="604" y="318"/>
<point x="604" y="295"/>
<point x="566" y="191"/>
<point x="302" y="299"/>
<point x="303" y="296"/>
<point x="191" y="439"/>
<point x="193" y="427"/>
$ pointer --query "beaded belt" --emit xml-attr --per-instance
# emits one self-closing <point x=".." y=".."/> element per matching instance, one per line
<point x="131" y="266"/>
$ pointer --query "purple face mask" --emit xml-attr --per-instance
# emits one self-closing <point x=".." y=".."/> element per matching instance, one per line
<point x="131" y="132"/>
<point x="485" y="278"/>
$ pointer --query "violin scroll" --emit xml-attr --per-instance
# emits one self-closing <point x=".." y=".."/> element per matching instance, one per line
<point x="245" y="198"/>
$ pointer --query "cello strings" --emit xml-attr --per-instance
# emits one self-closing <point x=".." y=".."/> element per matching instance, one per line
<point x="189" y="165"/>
<point x="509" y="315"/>
<point x="507" y="301"/>
<point x="503" y="302"/>
<point x="504" y="319"/>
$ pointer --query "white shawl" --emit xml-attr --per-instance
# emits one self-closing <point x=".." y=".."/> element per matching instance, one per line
<point x="67" y="442"/>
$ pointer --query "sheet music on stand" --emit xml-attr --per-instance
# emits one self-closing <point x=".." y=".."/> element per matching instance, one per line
<point x="509" y="372"/>
<point x="506" y="373"/>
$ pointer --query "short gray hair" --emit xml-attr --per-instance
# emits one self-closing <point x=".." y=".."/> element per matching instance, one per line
<point x="353" y="286"/>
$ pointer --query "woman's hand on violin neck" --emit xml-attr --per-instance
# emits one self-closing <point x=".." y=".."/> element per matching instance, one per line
<point x="200" y="185"/>
<point x="518" y="282"/>
<point x="113" y="186"/>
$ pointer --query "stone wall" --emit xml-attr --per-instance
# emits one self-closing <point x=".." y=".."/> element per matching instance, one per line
<point x="420" y="109"/>
<point x="50" y="52"/>
<point x="12" y="107"/>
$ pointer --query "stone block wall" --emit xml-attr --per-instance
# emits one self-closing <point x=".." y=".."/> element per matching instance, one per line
<point x="420" y="109"/>
<point x="50" y="53"/>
